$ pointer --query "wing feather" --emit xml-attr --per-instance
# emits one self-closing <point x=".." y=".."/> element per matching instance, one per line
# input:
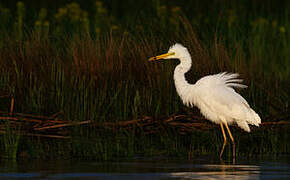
<point x="217" y="100"/>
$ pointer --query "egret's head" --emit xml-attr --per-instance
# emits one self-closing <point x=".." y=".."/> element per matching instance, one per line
<point x="177" y="51"/>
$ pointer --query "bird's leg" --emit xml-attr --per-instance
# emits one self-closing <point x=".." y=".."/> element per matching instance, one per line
<point x="225" y="140"/>
<point x="233" y="142"/>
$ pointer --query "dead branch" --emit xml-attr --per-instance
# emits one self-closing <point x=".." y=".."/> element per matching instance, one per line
<point x="55" y="127"/>
<point x="63" y="125"/>
<point x="37" y="135"/>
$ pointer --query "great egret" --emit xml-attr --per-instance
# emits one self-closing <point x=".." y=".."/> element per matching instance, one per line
<point x="213" y="95"/>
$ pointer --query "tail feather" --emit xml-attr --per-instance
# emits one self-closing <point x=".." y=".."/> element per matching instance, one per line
<point x="251" y="118"/>
<point x="256" y="118"/>
<point x="244" y="125"/>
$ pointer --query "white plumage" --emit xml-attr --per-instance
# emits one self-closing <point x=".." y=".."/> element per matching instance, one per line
<point x="213" y="94"/>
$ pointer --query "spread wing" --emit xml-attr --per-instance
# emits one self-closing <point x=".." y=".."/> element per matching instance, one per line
<point x="222" y="79"/>
<point x="216" y="98"/>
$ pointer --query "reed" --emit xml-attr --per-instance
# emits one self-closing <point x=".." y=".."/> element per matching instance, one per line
<point x="10" y="142"/>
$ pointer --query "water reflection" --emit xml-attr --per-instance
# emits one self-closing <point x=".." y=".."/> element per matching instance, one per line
<point x="222" y="172"/>
<point x="144" y="169"/>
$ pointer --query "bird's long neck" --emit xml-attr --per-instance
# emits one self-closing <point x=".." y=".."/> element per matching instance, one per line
<point x="179" y="75"/>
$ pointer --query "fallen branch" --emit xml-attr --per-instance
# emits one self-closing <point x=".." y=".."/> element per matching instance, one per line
<point x="276" y="123"/>
<point x="63" y="125"/>
<point x="53" y="127"/>
<point x="31" y="119"/>
<point x="38" y="135"/>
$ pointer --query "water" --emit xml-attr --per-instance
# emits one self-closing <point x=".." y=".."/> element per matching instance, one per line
<point x="141" y="169"/>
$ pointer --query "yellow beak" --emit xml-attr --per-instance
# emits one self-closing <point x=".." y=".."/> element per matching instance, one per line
<point x="162" y="56"/>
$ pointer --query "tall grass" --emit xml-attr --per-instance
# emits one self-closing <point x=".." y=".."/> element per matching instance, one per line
<point x="11" y="143"/>
<point x="104" y="75"/>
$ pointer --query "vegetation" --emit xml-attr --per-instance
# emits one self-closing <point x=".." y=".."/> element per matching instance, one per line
<point x="90" y="64"/>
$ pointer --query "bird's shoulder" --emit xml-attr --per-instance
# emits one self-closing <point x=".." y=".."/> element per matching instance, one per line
<point x="206" y="80"/>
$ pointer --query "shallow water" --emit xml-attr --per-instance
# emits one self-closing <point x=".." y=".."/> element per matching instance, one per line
<point x="202" y="168"/>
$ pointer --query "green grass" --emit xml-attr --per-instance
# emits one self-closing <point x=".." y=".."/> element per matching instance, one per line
<point x="10" y="142"/>
<point x="101" y="72"/>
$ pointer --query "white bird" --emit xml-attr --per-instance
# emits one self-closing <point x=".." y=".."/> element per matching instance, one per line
<point x="213" y="95"/>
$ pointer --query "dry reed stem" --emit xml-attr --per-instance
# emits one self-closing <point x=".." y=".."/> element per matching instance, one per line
<point x="38" y="135"/>
<point x="63" y="125"/>
<point x="46" y="118"/>
<point x="181" y="123"/>
<point x="29" y="119"/>
<point x="11" y="106"/>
